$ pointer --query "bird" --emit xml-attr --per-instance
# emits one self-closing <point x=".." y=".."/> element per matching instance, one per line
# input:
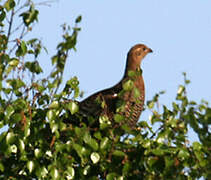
<point x="126" y="98"/>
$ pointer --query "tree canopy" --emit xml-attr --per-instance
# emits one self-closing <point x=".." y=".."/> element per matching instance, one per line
<point x="43" y="135"/>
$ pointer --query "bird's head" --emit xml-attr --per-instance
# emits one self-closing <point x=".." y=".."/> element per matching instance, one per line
<point x="137" y="53"/>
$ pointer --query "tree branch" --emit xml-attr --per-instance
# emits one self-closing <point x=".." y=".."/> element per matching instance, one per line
<point x="10" y="26"/>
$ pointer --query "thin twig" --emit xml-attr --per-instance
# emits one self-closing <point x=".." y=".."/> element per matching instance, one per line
<point x="156" y="132"/>
<point x="23" y="33"/>
<point x="10" y="26"/>
<point x="61" y="75"/>
<point x="45" y="3"/>
<point x="18" y="2"/>
<point x="21" y="7"/>
<point x="17" y="28"/>
<point x="12" y="49"/>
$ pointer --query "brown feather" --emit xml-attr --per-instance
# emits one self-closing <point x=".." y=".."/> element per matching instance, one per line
<point x="105" y="102"/>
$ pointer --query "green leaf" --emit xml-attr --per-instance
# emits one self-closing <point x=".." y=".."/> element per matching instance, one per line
<point x="86" y="170"/>
<point x="120" y="178"/>
<point x="104" y="143"/>
<point x="79" y="131"/>
<point x="15" y="83"/>
<point x="54" y="60"/>
<point x="51" y="115"/>
<point x="9" y="111"/>
<point x="30" y="166"/>
<point x="13" y="148"/>
<point x="199" y="155"/>
<point x="22" y="49"/>
<point x="70" y="173"/>
<point x="20" y="104"/>
<point x="104" y="121"/>
<point x="118" y="153"/>
<point x="90" y="141"/>
<point x="126" y="168"/>
<point x="187" y="81"/>
<point x="54" y="127"/>
<point x="21" y="145"/>
<point x="197" y="146"/>
<point x="80" y="149"/>
<point x="181" y="89"/>
<point x="3" y="46"/>
<point x="73" y="82"/>
<point x="37" y="153"/>
<point x="42" y="172"/>
<point x="150" y="104"/>
<point x="55" y="173"/>
<point x="95" y="157"/>
<point x="34" y="67"/>
<point x="158" y="152"/>
<point x="73" y="107"/>
<point x="54" y="105"/>
<point x="169" y="161"/>
<point x="14" y="62"/>
<point x="93" y="143"/>
<point x="118" y="118"/>
<point x="30" y="16"/>
<point x="1" y="167"/>
<point x="128" y="85"/>
<point x="78" y="19"/>
<point x="151" y="161"/>
<point x="2" y="14"/>
<point x="15" y="118"/>
<point x="136" y="92"/>
<point x="111" y="176"/>
<point x="10" y="138"/>
<point x="175" y="106"/>
<point x="1" y="124"/>
<point x="183" y="154"/>
<point x="131" y="73"/>
<point x="9" y="4"/>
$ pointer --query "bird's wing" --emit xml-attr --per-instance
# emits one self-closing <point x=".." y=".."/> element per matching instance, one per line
<point x="101" y="101"/>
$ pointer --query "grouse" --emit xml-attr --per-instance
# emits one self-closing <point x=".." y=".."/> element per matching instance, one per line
<point x="126" y="98"/>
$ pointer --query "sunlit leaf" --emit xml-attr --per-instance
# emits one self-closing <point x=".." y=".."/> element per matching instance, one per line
<point x="73" y="107"/>
<point x="1" y="167"/>
<point x="54" y="104"/>
<point x="118" y="153"/>
<point x="54" y="173"/>
<point x="128" y="85"/>
<point x="10" y="138"/>
<point x="21" y="145"/>
<point x="104" y="143"/>
<point x="95" y="157"/>
<point x="22" y="49"/>
<point x="14" y="62"/>
<point x="70" y="173"/>
<point x="30" y="166"/>
<point x="9" y="4"/>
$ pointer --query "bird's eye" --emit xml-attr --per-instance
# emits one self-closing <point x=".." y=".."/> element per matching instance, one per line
<point x="144" y="49"/>
<point x="138" y="53"/>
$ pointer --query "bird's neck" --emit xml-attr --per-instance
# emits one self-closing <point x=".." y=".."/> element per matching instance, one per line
<point x="132" y="67"/>
<point x="136" y="76"/>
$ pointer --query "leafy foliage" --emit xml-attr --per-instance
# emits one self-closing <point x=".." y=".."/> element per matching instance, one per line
<point x="46" y="137"/>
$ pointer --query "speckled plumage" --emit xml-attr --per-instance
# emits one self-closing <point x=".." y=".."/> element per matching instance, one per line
<point x="106" y="102"/>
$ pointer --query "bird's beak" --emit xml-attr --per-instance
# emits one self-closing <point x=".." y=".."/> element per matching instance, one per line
<point x="150" y="50"/>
